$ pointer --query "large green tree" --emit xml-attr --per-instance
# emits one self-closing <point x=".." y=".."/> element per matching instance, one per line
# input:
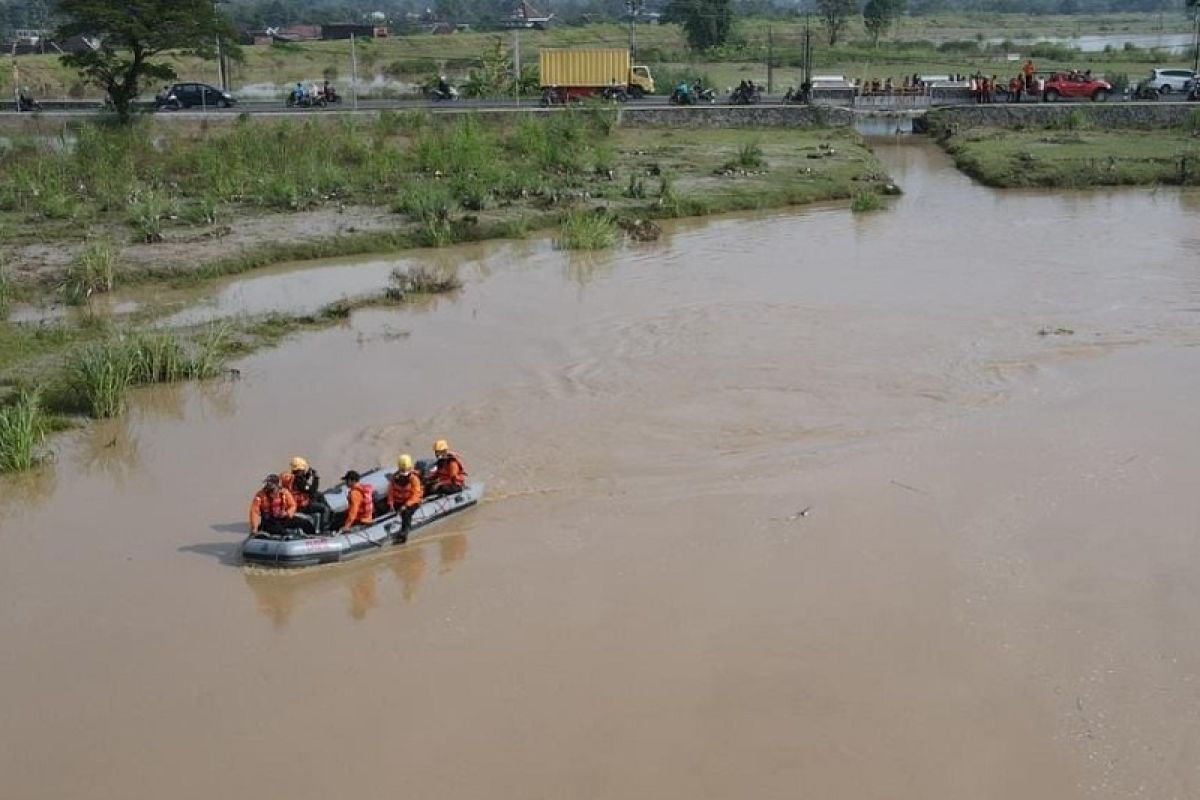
<point x="131" y="34"/>
<point x="880" y="15"/>
<point x="835" y="15"/>
<point x="707" y="23"/>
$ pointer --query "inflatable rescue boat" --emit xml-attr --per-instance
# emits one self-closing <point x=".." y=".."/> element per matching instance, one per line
<point x="306" y="551"/>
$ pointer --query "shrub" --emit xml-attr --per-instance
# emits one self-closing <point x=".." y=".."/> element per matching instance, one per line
<point x="426" y="202"/>
<point x="749" y="156"/>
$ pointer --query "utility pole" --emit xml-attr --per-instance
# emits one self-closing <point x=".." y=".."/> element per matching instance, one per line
<point x="1196" y="38"/>
<point x="353" y="73"/>
<point x="806" y="57"/>
<point x="770" y="60"/>
<point x="635" y="8"/>
<point x="517" y="65"/>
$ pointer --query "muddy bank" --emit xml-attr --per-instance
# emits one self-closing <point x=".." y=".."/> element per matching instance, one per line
<point x="992" y="593"/>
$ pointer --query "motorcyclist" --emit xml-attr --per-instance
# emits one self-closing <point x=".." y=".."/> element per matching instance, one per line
<point x="25" y="101"/>
<point x="443" y="86"/>
<point x="683" y="92"/>
<point x="299" y="92"/>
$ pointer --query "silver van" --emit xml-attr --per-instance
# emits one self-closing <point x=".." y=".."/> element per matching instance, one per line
<point x="1170" y="80"/>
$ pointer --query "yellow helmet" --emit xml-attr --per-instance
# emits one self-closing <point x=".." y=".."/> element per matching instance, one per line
<point x="404" y="463"/>
<point x="299" y="463"/>
<point x="441" y="446"/>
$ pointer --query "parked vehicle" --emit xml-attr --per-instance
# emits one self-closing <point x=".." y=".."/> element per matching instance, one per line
<point x="1075" y="85"/>
<point x="1169" y="80"/>
<point x="190" y="95"/>
<point x="574" y="74"/>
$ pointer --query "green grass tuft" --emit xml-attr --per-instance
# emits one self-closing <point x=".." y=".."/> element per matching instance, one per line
<point x="585" y="230"/>
<point x="23" y="427"/>
<point x="92" y="272"/>
<point x="865" y="201"/>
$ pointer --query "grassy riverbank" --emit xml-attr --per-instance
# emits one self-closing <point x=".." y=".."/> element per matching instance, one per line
<point x="175" y="202"/>
<point x="1078" y="157"/>
<point x="148" y="213"/>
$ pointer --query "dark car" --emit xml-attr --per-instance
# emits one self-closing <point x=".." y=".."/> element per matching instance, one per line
<point x="190" y="95"/>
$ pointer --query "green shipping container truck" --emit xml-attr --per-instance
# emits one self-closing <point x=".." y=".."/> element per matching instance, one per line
<point x="574" y="74"/>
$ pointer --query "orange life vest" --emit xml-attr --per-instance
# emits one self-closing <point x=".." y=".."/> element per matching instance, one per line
<point x="364" y="509"/>
<point x="446" y="474"/>
<point x="273" y="506"/>
<point x="406" y="490"/>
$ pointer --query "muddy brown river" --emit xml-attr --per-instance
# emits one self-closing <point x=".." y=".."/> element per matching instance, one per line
<point x="994" y="593"/>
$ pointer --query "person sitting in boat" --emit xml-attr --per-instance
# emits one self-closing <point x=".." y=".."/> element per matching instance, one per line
<point x="305" y="485"/>
<point x="449" y="474"/>
<point x="404" y="494"/>
<point x="273" y="511"/>
<point x="360" y="499"/>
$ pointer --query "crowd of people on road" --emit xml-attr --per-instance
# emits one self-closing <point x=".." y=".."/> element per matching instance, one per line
<point x="291" y="503"/>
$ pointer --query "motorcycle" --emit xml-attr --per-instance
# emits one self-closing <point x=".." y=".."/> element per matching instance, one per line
<point x="440" y="94"/>
<point x="329" y="96"/>
<point x="1145" y="92"/>
<point x="614" y="94"/>
<point x="295" y="100"/>
<point x="744" y="96"/>
<point x="706" y="95"/>
<point x="681" y="98"/>
<point x="27" y="103"/>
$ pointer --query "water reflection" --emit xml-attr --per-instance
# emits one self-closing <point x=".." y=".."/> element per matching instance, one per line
<point x="584" y="266"/>
<point x="368" y="585"/>
<point x="110" y="447"/>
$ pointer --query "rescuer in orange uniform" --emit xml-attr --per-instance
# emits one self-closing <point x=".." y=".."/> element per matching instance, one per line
<point x="404" y="494"/>
<point x="305" y="485"/>
<point x="360" y="498"/>
<point x="449" y="474"/>
<point x="273" y="511"/>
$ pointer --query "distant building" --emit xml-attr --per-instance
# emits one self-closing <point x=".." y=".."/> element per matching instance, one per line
<point x="526" y="16"/>
<point x="344" y="30"/>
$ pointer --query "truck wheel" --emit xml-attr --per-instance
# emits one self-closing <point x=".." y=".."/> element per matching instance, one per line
<point x="636" y="92"/>
<point x="1051" y="95"/>
<point x="1100" y="96"/>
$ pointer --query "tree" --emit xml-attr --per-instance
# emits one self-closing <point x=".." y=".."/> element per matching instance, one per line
<point x="131" y="33"/>
<point x="707" y="23"/>
<point x="878" y="16"/>
<point x="836" y="14"/>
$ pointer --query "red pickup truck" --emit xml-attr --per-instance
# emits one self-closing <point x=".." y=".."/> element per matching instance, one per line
<point x="1062" y="85"/>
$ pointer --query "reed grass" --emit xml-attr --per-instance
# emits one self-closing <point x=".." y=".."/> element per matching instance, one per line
<point x="585" y="230"/>
<point x="103" y="373"/>
<point x="23" y="426"/>
<point x="93" y="271"/>
<point x="865" y="201"/>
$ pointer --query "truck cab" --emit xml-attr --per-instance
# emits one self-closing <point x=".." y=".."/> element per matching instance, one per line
<point x="640" y="81"/>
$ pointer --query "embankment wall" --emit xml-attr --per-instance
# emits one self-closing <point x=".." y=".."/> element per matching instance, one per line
<point x="757" y="116"/>
<point x="1038" y="115"/>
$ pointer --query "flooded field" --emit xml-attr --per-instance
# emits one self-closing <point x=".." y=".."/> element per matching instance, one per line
<point x="983" y="402"/>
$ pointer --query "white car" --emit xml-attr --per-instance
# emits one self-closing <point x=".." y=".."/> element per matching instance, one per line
<point x="1169" y="80"/>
